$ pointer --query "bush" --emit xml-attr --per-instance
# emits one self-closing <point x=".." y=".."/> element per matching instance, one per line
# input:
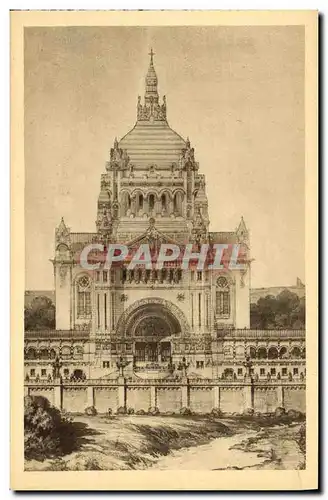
<point x="90" y="411"/>
<point x="185" y="411"/>
<point x="301" y="438"/>
<point x="131" y="411"/>
<point x="47" y="432"/>
<point x="121" y="410"/>
<point x="140" y="412"/>
<point x="294" y="414"/>
<point x="153" y="410"/>
<point x="280" y="412"/>
<point x="216" y="412"/>
<point x="249" y="412"/>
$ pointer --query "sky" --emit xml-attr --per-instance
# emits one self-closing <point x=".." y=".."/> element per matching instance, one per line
<point x="237" y="92"/>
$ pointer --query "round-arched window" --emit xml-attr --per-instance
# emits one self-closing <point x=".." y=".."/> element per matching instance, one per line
<point x="273" y="353"/>
<point x="262" y="353"/>
<point x="252" y="352"/>
<point x="222" y="297"/>
<point x="295" y="352"/>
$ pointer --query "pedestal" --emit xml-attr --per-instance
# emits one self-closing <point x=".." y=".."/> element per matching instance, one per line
<point x="121" y="392"/>
<point x="280" y="396"/>
<point x="248" y="394"/>
<point x="184" y="393"/>
<point x="153" y="401"/>
<point x="216" y="396"/>
<point x="58" y="393"/>
<point x="90" y="396"/>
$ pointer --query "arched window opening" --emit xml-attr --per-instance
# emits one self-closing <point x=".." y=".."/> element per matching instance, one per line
<point x="252" y="352"/>
<point x="163" y="201"/>
<point x="31" y="354"/>
<point x="78" y="375"/>
<point x="240" y="351"/>
<point x="283" y="353"/>
<point x="66" y="352"/>
<point x="262" y="353"/>
<point x="222" y="297"/>
<point x="228" y="374"/>
<point x="177" y="203"/>
<point x="273" y="353"/>
<point x="296" y="352"/>
<point x="52" y="354"/>
<point x="78" y="352"/>
<point x="140" y="202"/>
<point x="44" y="354"/>
<point x="151" y="202"/>
<point x="83" y="297"/>
<point x="228" y="352"/>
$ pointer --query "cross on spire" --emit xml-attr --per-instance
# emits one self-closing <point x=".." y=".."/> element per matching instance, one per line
<point x="151" y="54"/>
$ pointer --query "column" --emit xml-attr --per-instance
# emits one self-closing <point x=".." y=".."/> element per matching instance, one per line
<point x="280" y="395"/>
<point x="184" y="393"/>
<point x="153" y="396"/>
<point x="216" y="396"/>
<point x="248" y="397"/>
<point x="57" y="394"/>
<point x="90" y="396"/>
<point x="133" y="205"/>
<point x="26" y="391"/>
<point x="121" y="392"/>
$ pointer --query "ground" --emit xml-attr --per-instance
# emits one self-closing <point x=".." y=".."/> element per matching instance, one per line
<point x="178" y="442"/>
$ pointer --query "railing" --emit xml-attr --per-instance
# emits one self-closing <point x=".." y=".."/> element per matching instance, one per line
<point x="56" y="334"/>
<point x="250" y="333"/>
<point x="193" y="382"/>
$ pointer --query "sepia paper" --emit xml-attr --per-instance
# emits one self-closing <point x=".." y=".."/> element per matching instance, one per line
<point x="163" y="370"/>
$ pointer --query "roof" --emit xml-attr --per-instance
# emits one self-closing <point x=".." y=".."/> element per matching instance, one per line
<point x="153" y="143"/>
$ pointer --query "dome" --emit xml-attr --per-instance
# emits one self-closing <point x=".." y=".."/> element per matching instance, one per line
<point x="153" y="143"/>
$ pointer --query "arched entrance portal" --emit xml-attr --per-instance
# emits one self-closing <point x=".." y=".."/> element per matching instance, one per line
<point x="151" y="334"/>
<point x="151" y="324"/>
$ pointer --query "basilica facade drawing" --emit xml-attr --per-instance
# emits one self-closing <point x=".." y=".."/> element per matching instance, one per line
<point x="149" y="324"/>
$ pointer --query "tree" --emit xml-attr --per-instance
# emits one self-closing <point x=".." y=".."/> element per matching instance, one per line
<point x="47" y="433"/>
<point x="40" y="314"/>
<point x="286" y="310"/>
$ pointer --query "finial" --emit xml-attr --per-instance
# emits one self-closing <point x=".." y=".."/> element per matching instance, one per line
<point x="151" y="54"/>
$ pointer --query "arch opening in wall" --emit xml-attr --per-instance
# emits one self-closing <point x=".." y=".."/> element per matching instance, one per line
<point x="177" y="203"/>
<point x="252" y="352"/>
<point x="31" y="353"/>
<point x="295" y="352"/>
<point x="240" y="351"/>
<point x="78" y="352"/>
<point x="262" y="353"/>
<point x="66" y="352"/>
<point x="273" y="353"/>
<point x="228" y="374"/>
<point x="52" y="354"/>
<point x="140" y="202"/>
<point x="44" y="354"/>
<point x="125" y="203"/>
<point x="83" y="299"/>
<point x="163" y="202"/>
<point x="222" y="297"/>
<point x="151" y="202"/>
<point x="78" y="374"/>
<point x="283" y="353"/>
